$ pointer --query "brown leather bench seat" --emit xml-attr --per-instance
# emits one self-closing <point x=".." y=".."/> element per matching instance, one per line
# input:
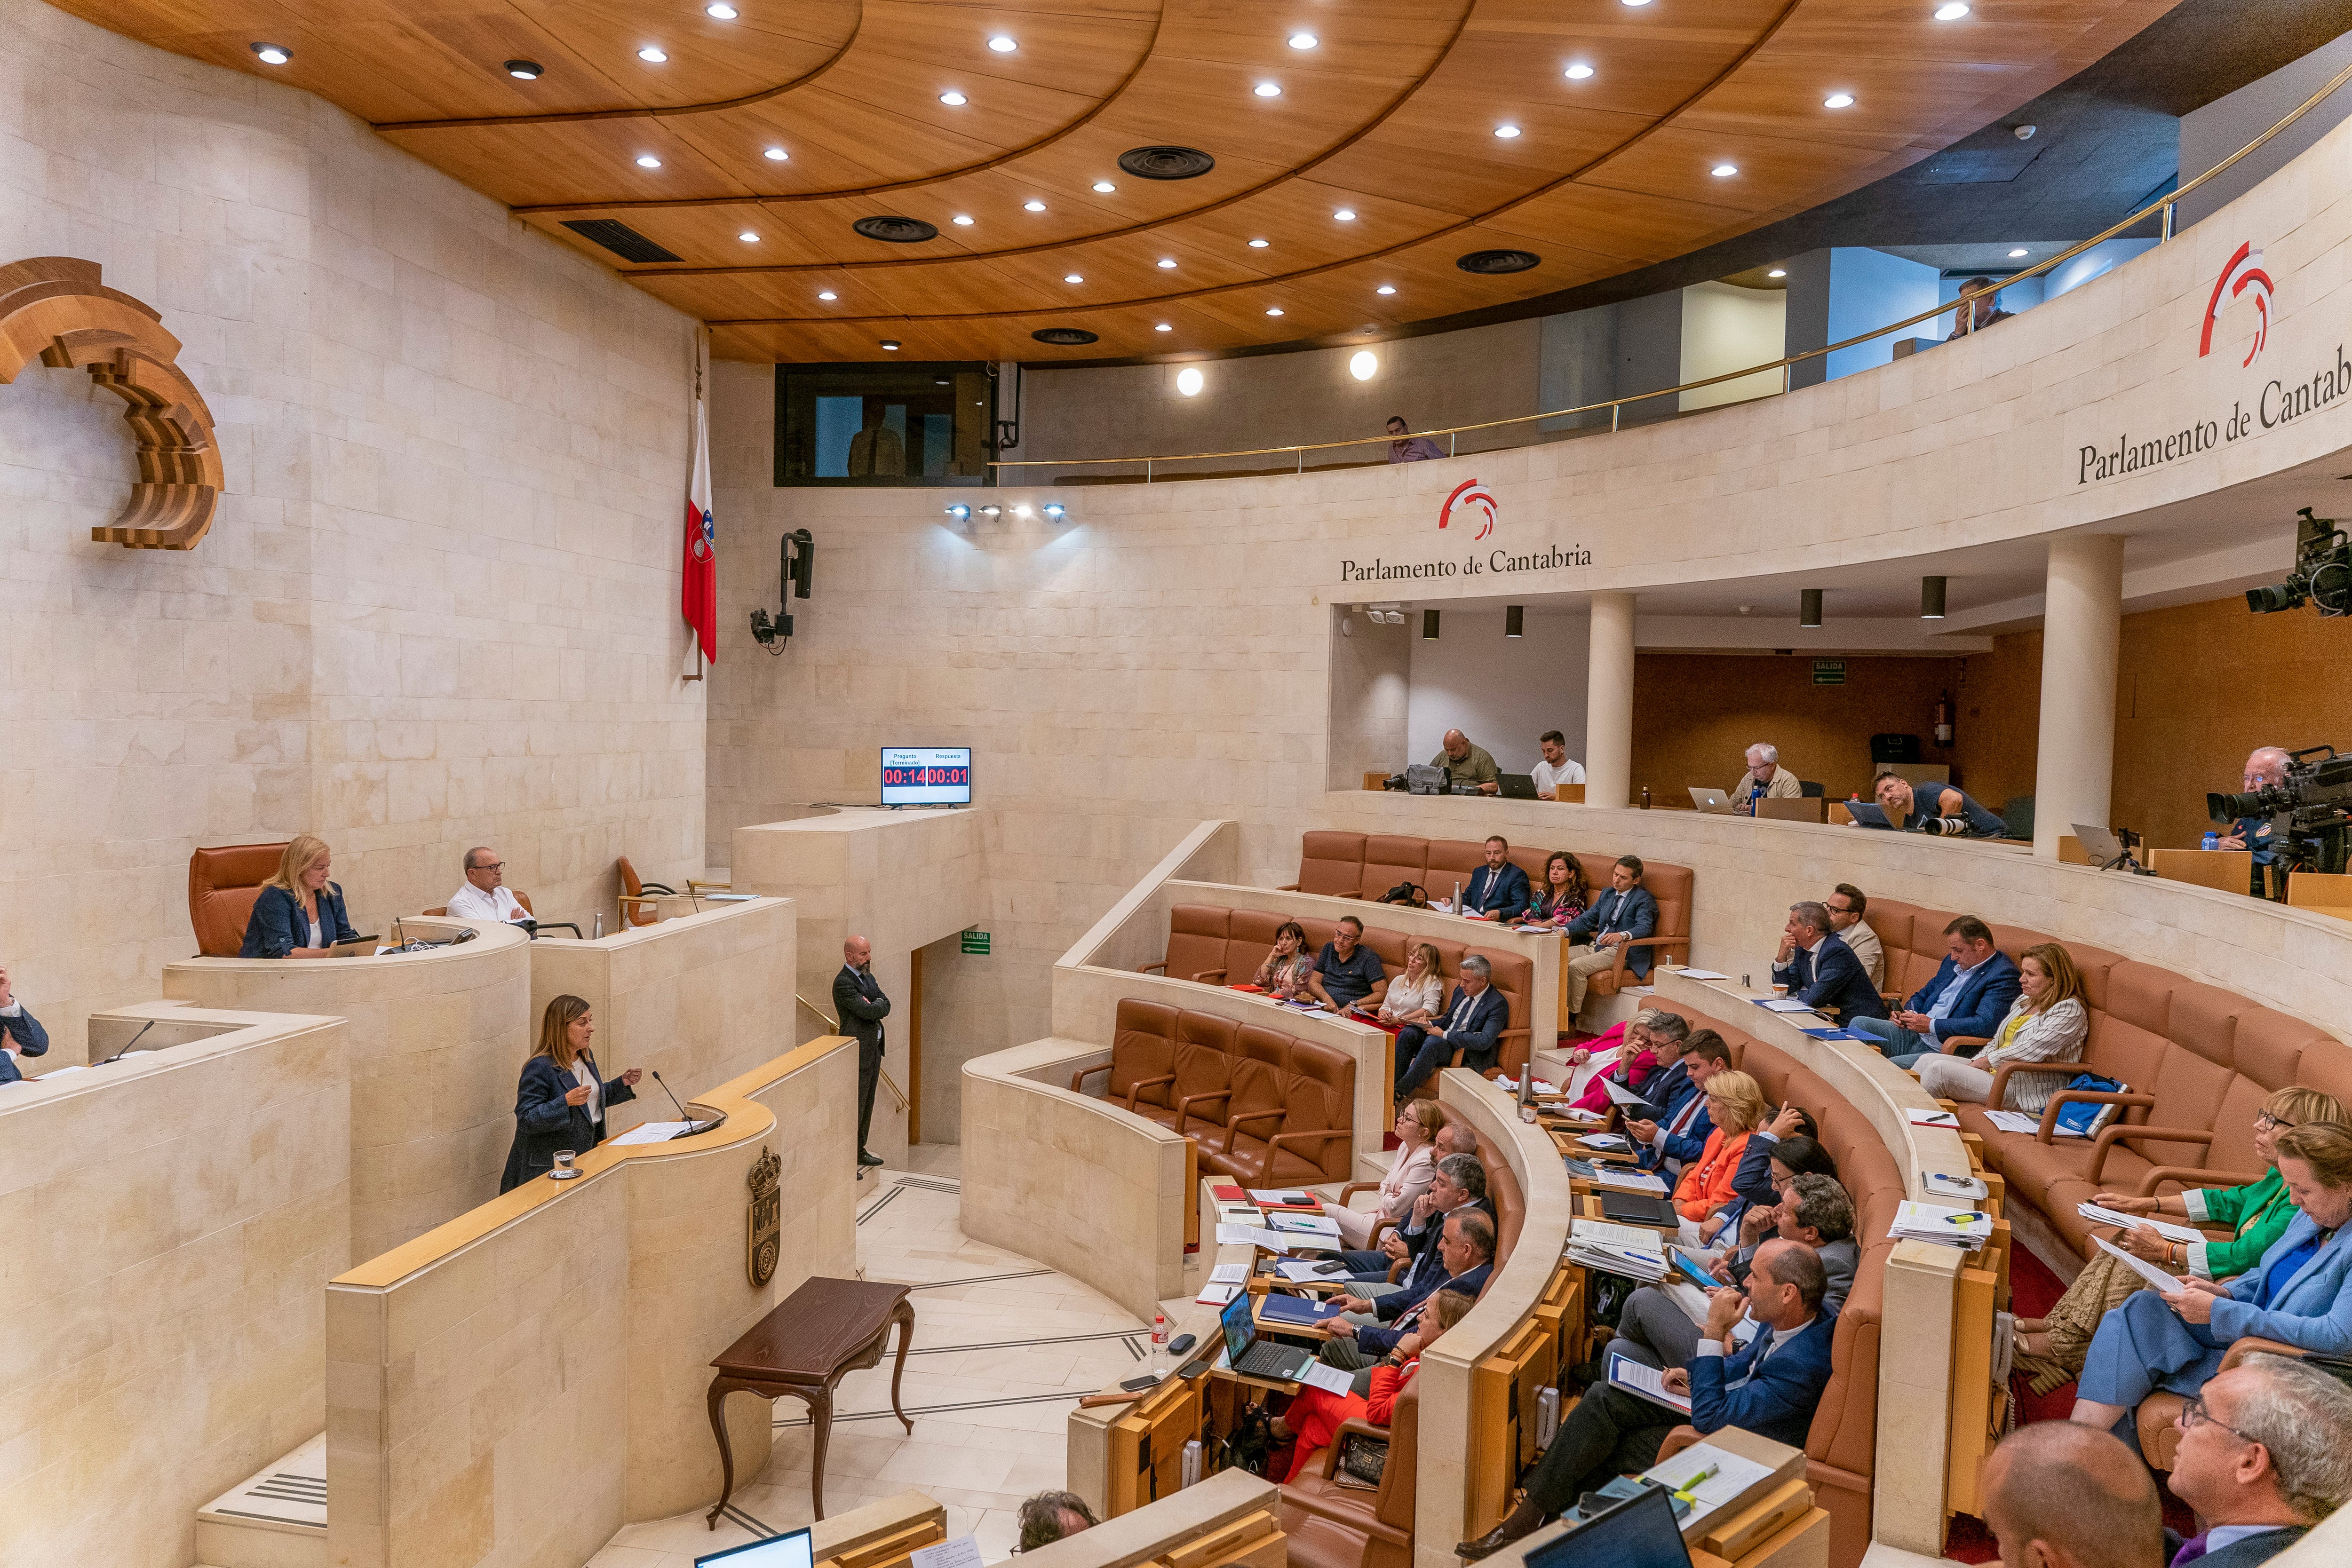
<point x="1214" y="945"/>
<point x="1267" y="1108"/>
<point x="1367" y="865"/>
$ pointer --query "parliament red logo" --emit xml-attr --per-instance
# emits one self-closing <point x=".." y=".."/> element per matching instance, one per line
<point x="2243" y="275"/>
<point x="1467" y="494"/>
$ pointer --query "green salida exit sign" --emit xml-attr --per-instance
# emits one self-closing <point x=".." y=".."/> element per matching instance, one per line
<point x="975" y="942"/>
<point x="1829" y="671"/>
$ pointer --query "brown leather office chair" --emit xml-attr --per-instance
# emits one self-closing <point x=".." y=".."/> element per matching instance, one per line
<point x="635" y="909"/>
<point x="1331" y="1526"/>
<point x="223" y="885"/>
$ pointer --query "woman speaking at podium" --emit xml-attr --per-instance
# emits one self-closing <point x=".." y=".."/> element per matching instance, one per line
<point x="300" y="914"/>
<point x="562" y="1101"/>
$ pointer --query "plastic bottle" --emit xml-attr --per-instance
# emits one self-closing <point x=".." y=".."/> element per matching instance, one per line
<point x="1645" y="796"/>
<point x="1160" y="1334"/>
<point x="2210" y="839"/>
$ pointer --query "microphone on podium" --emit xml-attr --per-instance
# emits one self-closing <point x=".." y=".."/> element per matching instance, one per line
<point x="692" y="1126"/>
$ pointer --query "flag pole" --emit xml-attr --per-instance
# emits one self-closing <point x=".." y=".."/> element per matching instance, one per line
<point x="693" y="671"/>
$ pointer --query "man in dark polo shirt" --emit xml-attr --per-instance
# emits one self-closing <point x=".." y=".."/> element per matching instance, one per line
<point x="1346" y="970"/>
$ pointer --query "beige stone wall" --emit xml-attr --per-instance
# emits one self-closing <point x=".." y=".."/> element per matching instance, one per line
<point x="697" y="999"/>
<point x="439" y="1040"/>
<point x="175" y="1212"/>
<point x="439" y="605"/>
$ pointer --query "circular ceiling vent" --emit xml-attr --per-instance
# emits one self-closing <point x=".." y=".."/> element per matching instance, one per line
<point x="1064" y="337"/>
<point x="1492" y="261"/>
<point x="1166" y="162"/>
<point x="898" y="231"/>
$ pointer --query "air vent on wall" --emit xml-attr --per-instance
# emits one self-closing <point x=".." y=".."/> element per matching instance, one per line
<point x="1166" y="162"/>
<point x="1493" y="261"/>
<point x="898" y="231"/>
<point x="1067" y="336"/>
<point x="620" y="239"/>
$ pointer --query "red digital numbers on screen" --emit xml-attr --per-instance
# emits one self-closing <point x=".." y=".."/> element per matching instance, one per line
<point x="919" y="777"/>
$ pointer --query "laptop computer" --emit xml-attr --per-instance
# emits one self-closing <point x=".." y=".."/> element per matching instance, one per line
<point x="1639" y="1533"/>
<point x="1255" y="1357"/>
<point x="1517" y="785"/>
<point x="1867" y="814"/>
<point x="792" y="1550"/>
<point x="1709" y="800"/>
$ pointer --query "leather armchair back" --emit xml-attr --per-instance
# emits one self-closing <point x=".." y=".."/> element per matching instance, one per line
<point x="223" y="885"/>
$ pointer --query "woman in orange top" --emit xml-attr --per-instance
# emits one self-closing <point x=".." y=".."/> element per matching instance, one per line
<point x="1314" y="1415"/>
<point x="1734" y="1103"/>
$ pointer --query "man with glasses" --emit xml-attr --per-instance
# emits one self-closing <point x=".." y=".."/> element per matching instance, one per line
<point x="1846" y="904"/>
<point x="2265" y="766"/>
<point x="485" y="894"/>
<point x="2265" y="1453"/>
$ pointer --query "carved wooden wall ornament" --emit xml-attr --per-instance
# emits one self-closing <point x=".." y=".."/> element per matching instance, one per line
<point x="55" y="308"/>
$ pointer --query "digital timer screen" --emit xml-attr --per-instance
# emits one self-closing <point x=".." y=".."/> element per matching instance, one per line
<point x="927" y="775"/>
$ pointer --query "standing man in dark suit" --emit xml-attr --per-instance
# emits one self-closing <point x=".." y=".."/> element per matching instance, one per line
<point x="21" y="1033"/>
<point x="1626" y="912"/>
<point x="1820" y="970"/>
<point x="863" y="1006"/>
<point x="2261" y="1459"/>
<point x="1474" y="1026"/>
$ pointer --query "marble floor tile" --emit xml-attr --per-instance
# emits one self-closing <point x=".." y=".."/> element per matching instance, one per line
<point x="1003" y="1348"/>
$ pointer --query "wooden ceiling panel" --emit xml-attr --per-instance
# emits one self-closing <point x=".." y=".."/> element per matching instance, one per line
<point x="1391" y="115"/>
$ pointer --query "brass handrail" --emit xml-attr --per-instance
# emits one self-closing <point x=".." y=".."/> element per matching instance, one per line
<point x="833" y="1024"/>
<point x="2163" y="204"/>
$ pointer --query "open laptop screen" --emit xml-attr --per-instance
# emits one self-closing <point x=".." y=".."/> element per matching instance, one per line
<point x="1236" y="1320"/>
<point x="1639" y="1533"/>
<point x="792" y="1551"/>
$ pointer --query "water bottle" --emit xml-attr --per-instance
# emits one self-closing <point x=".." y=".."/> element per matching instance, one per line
<point x="1645" y="796"/>
<point x="1457" y="895"/>
<point x="2210" y="840"/>
<point x="600" y="926"/>
<point x="1158" y="1333"/>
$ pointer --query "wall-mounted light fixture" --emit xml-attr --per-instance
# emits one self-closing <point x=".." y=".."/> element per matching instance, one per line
<point x="1056" y="510"/>
<point x="1515" y="620"/>
<point x="1931" y="599"/>
<point x="992" y="511"/>
<point x="1429" y="625"/>
<point x="959" y="512"/>
<point x="1809" y="607"/>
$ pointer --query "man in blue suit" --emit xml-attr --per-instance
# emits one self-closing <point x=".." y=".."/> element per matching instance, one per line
<point x="1624" y="914"/>
<point x="1969" y="996"/>
<point x="1680" y="1136"/>
<point x="1474" y="1026"/>
<point x="1770" y="1388"/>
<point x="1498" y="890"/>
<point x="1820" y="970"/>
<point x="21" y="1033"/>
<point x="1371" y="1327"/>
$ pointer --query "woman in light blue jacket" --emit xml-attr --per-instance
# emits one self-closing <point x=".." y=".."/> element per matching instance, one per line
<point x="2300" y="1293"/>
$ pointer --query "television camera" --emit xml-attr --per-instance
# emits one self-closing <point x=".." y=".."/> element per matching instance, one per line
<point x="2310" y="811"/>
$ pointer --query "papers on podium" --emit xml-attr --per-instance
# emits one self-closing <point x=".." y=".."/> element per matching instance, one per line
<point x="1617" y="1178"/>
<point x="1728" y="1478"/>
<point x="1627" y="1250"/>
<point x="662" y="1131"/>
<point x="1647" y="1382"/>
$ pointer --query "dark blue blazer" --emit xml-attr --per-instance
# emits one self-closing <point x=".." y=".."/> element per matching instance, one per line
<point x="1669" y="1089"/>
<point x="1377" y="1342"/>
<point x="1984" y="998"/>
<point x="1752" y="1183"/>
<point x="1633" y="912"/>
<point x="1502" y="894"/>
<point x="278" y="925"/>
<point x="1778" y="1401"/>
<point x="544" y="1123"/>
<point x="1474" y="1026"/>
<point x="1691" y="1143"/>
<point x="1427" y="1270"/>
<point x="29" y="1037"/>
<point x="1830" y="976"/>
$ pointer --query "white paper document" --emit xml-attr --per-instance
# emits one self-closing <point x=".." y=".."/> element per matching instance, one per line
<point x="1733" y="1476"/>
<point x="1616" y="1178"/>
<point x="1689" y="1297"/>
<point x="1601" y="1233"/>
<point x="1217" y="1295"/>
<point x="1935" y="1118"/>
<point x="1229" y="1274"/>
<point x="1701" y="974"/>
<point x="1619" y="1094"/>
<point x="1305" y="1224"/>
<point x="1783" y="1005"/>
<point x="1646" y="1381"/>
<point x="963" y="1551"/>
<point x="1609" y="1142"/>
<point x="2146" y="1270"/>
<point x="1302" y="1270"/>
<point x="651" y="1133"/>
<point x="1295" y="1196"/>
<point x="2014" y="1120"/>
<point x="2097" y="1215"/>
<point x="1330" y="1379"/>
<point x="1251" y="1236"/>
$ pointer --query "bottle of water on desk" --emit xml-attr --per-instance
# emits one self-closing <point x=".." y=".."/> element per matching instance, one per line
<point x="2211" y="839"/>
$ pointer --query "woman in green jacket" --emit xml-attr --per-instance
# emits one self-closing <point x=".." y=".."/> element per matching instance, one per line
<point x="2051" y="1349"/>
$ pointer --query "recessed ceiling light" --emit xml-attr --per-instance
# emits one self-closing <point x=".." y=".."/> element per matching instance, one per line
<point x="273" y="54"/>
<point x="891" y="344"/>
<point x="1163" y="326"/>
<point x="828" y="294"/>
<point x="1838" y="100"/>
<point x="1105" y="187"/>
<point x="721" y="11"/>
<point x="647" y="161"/>
<point x="1003" y="44"/>
<point x="1074" y="277"/>
<point x="777" y="155"/>
<point x="2018" y="251"/>
<point x="1260" y="243"/>
<point x="1778" y="272"/>
<point x="525" y="70"/>
<point x="1274" y="311"/>
<point x="1723" y="170"/>
<point x="1267" y="90"/>
<point x="1636" y="1"/>
<point x="748" y="237"/>
<point x="1951" y="13"/>
<point x="1346" y="215"/>
<point x="652" y="55"/>
<point x="1304" y="40"/>
<point x="1187" y="381"/>
<point x="953" y="99"/>
<point x="1364" y="364"/>
<point x="961" y="220"/>
<point x="1167" y="261"/>
<point x="1507" y="132"/>
<point x="1385" y="288"/>
<point x="1033" y="206"/>
<point x="1578" y="72"/>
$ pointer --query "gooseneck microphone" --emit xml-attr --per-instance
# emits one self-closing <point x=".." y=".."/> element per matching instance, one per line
<point x="135" y="1038"/>
<point x="672" y="1098"/>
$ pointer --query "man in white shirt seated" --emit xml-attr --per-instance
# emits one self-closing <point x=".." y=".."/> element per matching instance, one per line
<point x="485" y="894"/>
<point x="1556" y="769"/>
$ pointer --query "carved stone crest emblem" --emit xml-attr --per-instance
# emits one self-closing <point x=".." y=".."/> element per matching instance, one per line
<point x="761" y="1228"/>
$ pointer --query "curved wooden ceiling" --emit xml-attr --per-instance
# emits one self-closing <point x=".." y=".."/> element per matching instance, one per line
<point x="1391" y="116"/>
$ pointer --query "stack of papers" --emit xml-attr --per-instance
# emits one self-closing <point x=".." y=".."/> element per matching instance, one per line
<point x="1271" y="1242"/>
<point x="1963" y="1228"/>
<point x="1284" y="1197"/>
<point x="1783" y="1005"/>
<point x="662" y="1131"/>
<point x="1299" y="1270"/>
<point x="1618" y="1178"/>
<point x="1291" y="1223"/>
<point x="1938" y="1185"/>
<point x="1728" y="1478"/>
<point x="1690" y="974"/>
<point x="1608" y="1143"/>
<point x="1625" y="1249"/>
<point x="1511" y="1085"/>
<point x="2163" y="1228"/>
<point x="2026" y="1123"/>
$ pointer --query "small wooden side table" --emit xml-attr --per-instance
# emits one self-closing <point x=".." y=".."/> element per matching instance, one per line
<point x="810" y="1342"/>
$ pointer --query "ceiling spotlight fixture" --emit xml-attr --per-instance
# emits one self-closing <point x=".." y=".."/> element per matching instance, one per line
<point x="273" y="54"/>
<point x="1274" y="309"/>
<point x="1723" y="170"/>
<point x="652" y="55"/>
<point x="1003" y="44"/>
<point x="1931" y="599"/>
<point x="1364" y="364"/>
<point x="1104" y="188"/>
<point x="2018" y="252"/>
<point x="1346" y="215"/>
<point x="1267" y="90"/>
<point x="1778" y="272"/>
<point x="748" y="237"/>
<point x="959" y="512"/>
<point x="1074" y="277"/>
<point x="828" y="294"/>
<point x="1056" y="510"/>
<point x="1167" y="261"/>
<point x="647" y="161"/>
<point x="961" y="220"/>
<point x="953" y="99"/>
<point x="1385" y="288"/>
<point x="1163" y="326"/>
<point x="777" y="155"/>
<point x="525" y="70"/>
<point x="1033" y="206"/>
<point x="1809" y="607"/>
<point x="1580" y="71"/>
<point x="1304" y="40"/>
<point x="1515" y="620"/>
<point x="1507" y="132"/>
<point x="891" y="344"/>
<point x="1952" y="12"/>
<point x="1838" y="100"/>
<point x="1188" y="382"/>
<point x="1260" y="243"/>
<point x="720" y="11"/>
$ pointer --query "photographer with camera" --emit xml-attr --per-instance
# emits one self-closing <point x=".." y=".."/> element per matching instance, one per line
<point x="2265" y="767"/>
<point x="2295" y="815"/>
<point x="1942" y="810"/>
